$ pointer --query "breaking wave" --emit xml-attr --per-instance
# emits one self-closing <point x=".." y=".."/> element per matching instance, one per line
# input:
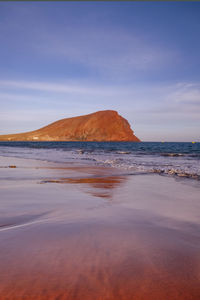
<point x="176" y="159"/>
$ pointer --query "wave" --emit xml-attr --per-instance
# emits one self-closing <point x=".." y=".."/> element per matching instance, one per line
<point x="173" y="154"/>
<point x="186" y="169"/>
<point x="123" y="152"/>
<point x="13" y="222"/>
<point x="183" y="163"/>
<point x="178" y="173"/>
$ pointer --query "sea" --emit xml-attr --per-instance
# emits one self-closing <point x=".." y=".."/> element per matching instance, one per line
<point x="167" y="158"/>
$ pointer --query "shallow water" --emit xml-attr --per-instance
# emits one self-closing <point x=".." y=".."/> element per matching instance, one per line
<point x="179" y="159"/>
<point x="86" y="232"/>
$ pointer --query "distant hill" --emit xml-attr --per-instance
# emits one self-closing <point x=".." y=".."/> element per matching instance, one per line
<point x="100" y="126"/>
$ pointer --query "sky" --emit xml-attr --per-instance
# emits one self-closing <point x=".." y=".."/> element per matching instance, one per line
<point x="65" y="59"/>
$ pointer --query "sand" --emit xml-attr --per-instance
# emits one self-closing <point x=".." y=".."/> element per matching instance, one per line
<point x="79" y="232"/>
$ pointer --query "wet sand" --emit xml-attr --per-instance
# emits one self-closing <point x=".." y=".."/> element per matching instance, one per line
<point x="79" y="232"/>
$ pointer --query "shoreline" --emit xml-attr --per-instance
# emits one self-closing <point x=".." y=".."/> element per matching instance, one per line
<point x="86" y="232"/>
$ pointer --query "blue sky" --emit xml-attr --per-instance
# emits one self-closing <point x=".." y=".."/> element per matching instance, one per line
<point x="63" y="59"/>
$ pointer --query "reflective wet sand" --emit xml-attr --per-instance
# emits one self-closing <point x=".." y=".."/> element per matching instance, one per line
<point x="85" y="233"/>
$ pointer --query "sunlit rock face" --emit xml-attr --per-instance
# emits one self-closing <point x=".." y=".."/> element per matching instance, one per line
<point x="100" y="126"/>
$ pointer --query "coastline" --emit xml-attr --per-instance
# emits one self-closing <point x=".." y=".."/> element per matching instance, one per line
<point x="84" y="232"/>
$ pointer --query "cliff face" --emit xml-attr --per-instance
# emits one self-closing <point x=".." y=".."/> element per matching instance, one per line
<point x="100" y="126"/>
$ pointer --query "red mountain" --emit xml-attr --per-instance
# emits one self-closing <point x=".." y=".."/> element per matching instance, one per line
<point x="100" y="126"/>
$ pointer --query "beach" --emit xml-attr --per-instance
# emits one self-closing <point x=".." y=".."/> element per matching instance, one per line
<point x="72" y="231"/>
<point x="99" y="150"/>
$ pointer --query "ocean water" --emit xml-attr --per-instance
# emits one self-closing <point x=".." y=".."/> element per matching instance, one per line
<point x="170" y="158"/>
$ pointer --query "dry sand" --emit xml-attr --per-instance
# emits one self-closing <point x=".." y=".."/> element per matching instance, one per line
<point x="86" y="233"/>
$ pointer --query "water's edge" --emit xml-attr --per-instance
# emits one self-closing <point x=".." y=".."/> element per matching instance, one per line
<point x="177" y="159"/>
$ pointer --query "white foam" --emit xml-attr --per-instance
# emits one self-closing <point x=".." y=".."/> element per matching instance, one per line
<point x="179" y="165"/>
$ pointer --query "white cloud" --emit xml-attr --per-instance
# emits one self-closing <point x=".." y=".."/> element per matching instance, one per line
<point x="187" y="94"/>
<point x="156" y="108"/>
<point x="109" y="50"/>
<point x="65" y="88"/>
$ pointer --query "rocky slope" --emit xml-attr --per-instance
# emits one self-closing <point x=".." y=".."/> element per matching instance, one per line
<point x="100" y="126"/>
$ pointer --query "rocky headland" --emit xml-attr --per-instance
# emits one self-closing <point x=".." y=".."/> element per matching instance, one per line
<point x="100" y="126"/>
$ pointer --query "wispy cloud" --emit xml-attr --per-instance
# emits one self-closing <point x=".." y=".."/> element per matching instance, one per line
<point x="157" y="98"/>
<point x="109" y="50"/>
<point x="32" y="104"/>
<point x="186" y="94"/>
<point x="66" y="88"/>
<point x="65" y="59"/>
